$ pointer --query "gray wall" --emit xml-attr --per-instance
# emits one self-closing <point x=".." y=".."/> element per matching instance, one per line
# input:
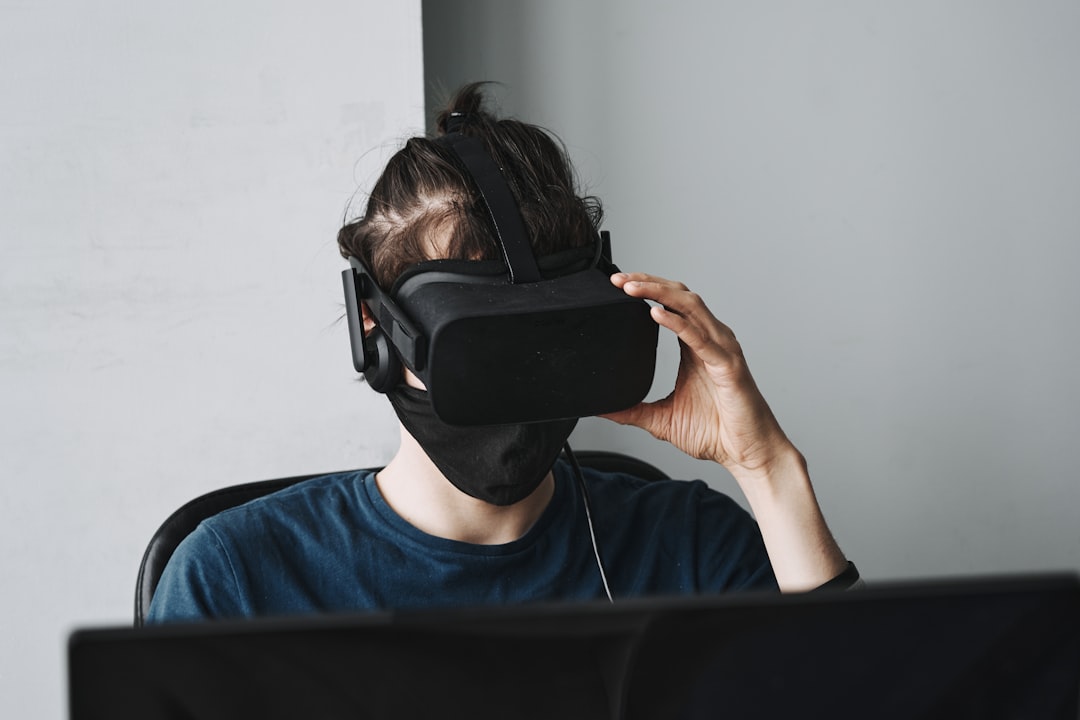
<point x="882" y="199"/>
<point x="172" y="178"/>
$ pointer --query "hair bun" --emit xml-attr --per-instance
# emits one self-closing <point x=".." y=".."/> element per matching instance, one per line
<point x="466" y="107"/>
<point x="454" y="122"/>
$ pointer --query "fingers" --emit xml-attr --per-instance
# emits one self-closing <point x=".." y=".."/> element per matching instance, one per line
<point x="652" y="287"/>
<point x="674" y="296"/>
<point x="683" y="312"/>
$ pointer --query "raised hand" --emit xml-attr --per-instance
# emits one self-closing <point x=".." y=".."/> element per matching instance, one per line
<point x="715" y="411"/>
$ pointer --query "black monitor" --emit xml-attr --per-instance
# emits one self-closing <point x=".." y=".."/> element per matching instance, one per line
<point x="977" y="648"/>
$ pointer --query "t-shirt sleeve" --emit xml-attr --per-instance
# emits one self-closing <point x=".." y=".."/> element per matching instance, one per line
<point x="732" y="553"/>
<point x="677" y="537"/>
<point x="198" y="582"/>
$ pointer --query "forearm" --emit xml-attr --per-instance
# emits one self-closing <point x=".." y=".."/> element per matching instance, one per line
<point x="801" y="549"/>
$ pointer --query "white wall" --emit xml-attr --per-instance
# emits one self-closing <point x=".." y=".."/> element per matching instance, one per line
<point x="882" y="199"/>
<point x="172" y="178"/>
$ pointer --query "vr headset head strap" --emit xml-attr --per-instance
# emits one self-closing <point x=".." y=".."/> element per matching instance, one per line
<point x="502" y="208"/>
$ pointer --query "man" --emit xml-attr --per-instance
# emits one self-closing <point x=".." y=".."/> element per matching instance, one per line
<point x="485" y="515"/>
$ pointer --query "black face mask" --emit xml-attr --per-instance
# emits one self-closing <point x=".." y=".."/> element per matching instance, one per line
<point x="499" y="464"/>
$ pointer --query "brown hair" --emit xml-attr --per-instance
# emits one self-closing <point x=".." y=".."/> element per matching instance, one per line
<point x="425" y="206"/>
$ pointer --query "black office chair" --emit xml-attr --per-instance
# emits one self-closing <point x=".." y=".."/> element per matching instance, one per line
<point x="182" y="522"/>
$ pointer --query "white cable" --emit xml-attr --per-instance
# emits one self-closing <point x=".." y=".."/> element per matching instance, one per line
<point x="588" y="520"/>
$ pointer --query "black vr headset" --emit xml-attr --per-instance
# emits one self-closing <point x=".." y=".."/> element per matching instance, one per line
<point x="517" y="340"/>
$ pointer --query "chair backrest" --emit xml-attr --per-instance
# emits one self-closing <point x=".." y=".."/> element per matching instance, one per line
<point x="182" y="522"/>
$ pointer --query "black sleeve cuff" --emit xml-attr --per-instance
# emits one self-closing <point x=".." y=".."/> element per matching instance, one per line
<point x="846" y="580"/>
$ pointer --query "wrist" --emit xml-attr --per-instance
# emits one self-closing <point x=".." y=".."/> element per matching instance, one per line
<point x="785" y="468"/>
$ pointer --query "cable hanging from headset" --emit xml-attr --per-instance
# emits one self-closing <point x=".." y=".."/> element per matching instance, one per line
<point x="588" y="519"/>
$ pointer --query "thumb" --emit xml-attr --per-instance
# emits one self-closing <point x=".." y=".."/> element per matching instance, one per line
<point x="647" y="416"/>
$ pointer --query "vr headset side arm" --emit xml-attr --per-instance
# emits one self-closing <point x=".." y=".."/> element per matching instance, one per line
<point x="603" y="254"/>
<point x="410" y="343"/>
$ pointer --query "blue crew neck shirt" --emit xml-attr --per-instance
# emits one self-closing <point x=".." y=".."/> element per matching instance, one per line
<point x="333" y="544"/>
